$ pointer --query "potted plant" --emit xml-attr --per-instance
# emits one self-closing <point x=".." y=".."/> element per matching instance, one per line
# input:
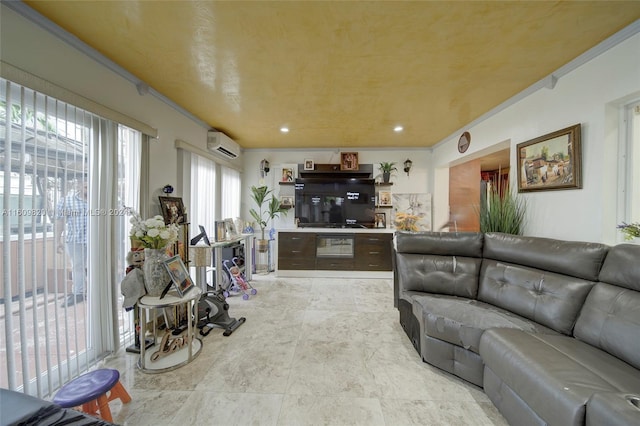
<point x="631" y="231"/>
<point x="502" y="211"/>
<point x="264" y="213"/>
<point x="386" y="168"/>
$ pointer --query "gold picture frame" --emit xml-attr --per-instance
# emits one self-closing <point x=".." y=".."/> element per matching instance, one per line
<point x="551" y="162"/>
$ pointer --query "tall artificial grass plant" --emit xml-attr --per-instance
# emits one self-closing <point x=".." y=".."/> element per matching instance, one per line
<point x="502" y="210"/>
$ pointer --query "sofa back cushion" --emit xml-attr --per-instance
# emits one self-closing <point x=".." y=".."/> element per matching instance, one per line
<point x="550" y="299"/>
<point x="439" y="262"/>
<point x="573" y="258"/>
<point x="610" y="317"/>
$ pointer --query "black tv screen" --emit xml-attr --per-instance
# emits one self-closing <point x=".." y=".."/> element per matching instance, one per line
<point x="337" y="202"/>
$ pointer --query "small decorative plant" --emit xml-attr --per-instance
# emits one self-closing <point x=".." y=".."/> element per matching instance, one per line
<point x="386" y="168"/>
<point x="630" y="230"/>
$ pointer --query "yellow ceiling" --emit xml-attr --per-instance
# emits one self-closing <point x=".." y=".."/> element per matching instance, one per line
<point x="340" y="74"/>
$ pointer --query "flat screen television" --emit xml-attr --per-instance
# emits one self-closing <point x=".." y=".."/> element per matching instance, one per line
<point x="335" y="202"/>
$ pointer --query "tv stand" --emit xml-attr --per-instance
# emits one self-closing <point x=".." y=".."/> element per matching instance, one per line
<point x="334" y="249"/>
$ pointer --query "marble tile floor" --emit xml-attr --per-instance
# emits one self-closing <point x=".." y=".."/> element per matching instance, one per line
<point x="313" y="351"/>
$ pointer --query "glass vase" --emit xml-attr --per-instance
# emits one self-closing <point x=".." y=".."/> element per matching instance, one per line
<point x="156" y="277"/>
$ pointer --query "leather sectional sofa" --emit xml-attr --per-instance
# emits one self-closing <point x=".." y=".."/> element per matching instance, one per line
<point x="549" y="328"/>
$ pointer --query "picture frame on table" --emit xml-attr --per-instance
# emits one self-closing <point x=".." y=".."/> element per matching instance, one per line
<point x="309" y="164"/>
<point x="551" y="162"/>
<point x="179" y="275"/>
<point x="349" y="161"/>
<point x="230" y="228"/>
<point x="221" y="231"/>
<point x="381" y="220"/>
<point x="172" y="210"/>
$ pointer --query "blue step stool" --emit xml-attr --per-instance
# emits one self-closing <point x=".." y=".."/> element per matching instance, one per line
<point x="92" y="392"/>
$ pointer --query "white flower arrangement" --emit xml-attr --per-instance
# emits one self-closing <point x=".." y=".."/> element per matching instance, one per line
<point x="153" y="232"/>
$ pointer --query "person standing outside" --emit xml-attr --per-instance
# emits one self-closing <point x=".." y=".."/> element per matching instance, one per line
<point x="71" y="219"/>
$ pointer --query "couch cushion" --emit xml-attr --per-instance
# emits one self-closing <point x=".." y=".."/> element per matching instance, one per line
<point x="610" y="320"/>
<point x="578" y="259"/>
<point x="622" y="266"/>
<point x="462" y="321"/>
<point x="551" y="299"/>
<point x="465" y="244"/>
<point x="554" y="374"/>
<point x="451" y="275"/>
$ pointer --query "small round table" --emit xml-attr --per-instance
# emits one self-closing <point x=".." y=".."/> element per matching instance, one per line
<point x="172" y="351"/>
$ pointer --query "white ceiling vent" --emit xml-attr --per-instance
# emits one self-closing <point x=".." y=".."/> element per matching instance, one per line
<point x="223" y="145"/>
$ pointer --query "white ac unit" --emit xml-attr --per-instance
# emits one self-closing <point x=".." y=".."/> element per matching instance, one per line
<point x="223" y="145"/>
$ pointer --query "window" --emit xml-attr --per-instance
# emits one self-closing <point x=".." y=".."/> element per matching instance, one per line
<point x="203" y="194"/>
<point x="629" y="167"/>
<point x="66" y="176"/>
<point x="230" y="193"/>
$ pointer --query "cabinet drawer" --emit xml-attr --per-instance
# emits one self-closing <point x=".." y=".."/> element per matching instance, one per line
<point x="290" y="244"/>
<point x="336" y="264"/>
<point x="373" y="263"/>
<point x="296" y="263"/>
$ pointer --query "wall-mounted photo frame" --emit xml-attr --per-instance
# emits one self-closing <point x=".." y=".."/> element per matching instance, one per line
<point x="551" y="162"/>
<point x="309" y="164"/>
<point x="286" y="201"/>
<point x="349" y="161"/>
<point x="381" y="220"/>
<point x="384" y="199"/>
<point x="179" y="275"/>
<point x="172" y="209"/>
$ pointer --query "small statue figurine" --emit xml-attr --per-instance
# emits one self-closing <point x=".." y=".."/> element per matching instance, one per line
<point x="135" y="259"/>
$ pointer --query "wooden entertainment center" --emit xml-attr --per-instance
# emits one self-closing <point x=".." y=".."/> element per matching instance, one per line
<point x="334" y="249"/>
<point x="313" y="249"/>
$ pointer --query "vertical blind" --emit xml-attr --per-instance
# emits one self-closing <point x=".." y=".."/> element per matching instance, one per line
<point x="48" y="149"/>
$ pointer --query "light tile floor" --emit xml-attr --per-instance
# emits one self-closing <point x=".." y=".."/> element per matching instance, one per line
<point x="312" y="352"/>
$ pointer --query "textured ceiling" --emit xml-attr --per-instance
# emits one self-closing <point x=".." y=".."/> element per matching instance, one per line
<point x="339" y="74"/>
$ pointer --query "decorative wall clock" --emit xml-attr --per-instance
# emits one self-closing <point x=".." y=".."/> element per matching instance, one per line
<point x="464" y="142"/>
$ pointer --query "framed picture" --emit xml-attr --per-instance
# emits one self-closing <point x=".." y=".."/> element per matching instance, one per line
<point x="288" y="173"/>
<point x="221" y="230"/>
<point x="384" y="199"/>
<point x="550" y="162"/>
<point x="230" y="227"/>
<point x="349" y="161"/>
<point x="381" y="220"/>
<point x="286" y="201"/>
<point x="309" y="165"/>
<point x="172" y="209"/>
<point x="179" y="275"/>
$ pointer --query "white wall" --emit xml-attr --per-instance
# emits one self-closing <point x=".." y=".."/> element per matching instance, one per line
<point x="586" y="95"/>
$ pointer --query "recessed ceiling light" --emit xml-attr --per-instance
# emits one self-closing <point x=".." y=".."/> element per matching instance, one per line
<point x="284" y="129"/>
<point x="398" y="129"/>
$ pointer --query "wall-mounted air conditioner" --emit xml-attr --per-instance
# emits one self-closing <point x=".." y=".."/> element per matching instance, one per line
<point x="223" y="145"/>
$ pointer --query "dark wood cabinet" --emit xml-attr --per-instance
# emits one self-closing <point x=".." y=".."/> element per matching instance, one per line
<point x="296" y="250"/>
<point x="373" y="252"/>
<point x="309" y="251"/>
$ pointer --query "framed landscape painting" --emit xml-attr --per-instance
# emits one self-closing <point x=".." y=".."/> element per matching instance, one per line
<point x="551" y="162"/>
